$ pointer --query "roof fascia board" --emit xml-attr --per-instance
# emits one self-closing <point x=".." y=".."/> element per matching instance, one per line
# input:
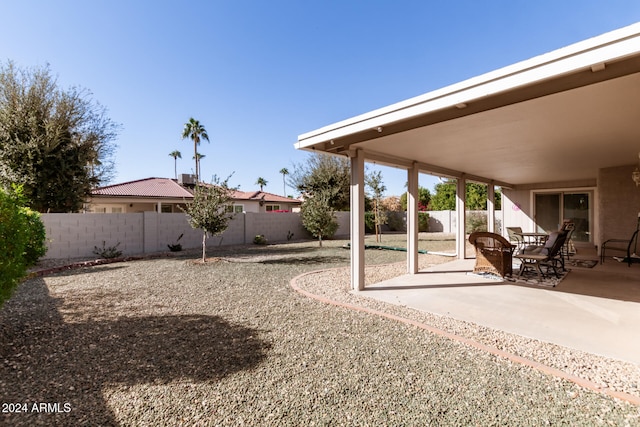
<point x="398" y="162"/>
<point x="602" y="49"/>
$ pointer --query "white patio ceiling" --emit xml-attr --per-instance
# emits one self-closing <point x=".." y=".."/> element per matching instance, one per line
<point x="555" y="118"/>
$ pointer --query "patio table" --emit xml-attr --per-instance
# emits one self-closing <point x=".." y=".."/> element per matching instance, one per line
<point x="535" y="238"/>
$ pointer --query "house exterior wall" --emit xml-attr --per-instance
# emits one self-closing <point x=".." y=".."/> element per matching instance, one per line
<point x="618" y="203"/>
<point x="75" y="235"/>
<point x="517" y="210"/>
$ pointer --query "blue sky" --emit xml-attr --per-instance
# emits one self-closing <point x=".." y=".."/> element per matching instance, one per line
<point x="259" y="73"/>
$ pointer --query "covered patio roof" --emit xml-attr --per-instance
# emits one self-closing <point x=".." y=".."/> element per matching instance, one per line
<point x="558" y="117"/>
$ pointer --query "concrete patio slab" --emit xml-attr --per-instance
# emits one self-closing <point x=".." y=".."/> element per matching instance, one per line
<point x="594" y="310"/>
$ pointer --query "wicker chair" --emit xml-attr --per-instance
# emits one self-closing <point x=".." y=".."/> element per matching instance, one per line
<point x="494" y="253"/>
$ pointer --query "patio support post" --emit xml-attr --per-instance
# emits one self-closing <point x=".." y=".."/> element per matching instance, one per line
<point x="357" y="220"/>
<point x="491" y="207"/>
<point x="461" y="195"/>
<point x="412" y="220"/>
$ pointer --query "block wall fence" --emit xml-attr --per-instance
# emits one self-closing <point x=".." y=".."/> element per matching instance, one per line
<point x="75" y="235"/>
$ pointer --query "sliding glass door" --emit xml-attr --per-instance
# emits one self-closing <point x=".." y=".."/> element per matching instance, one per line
<point x="552" y="208"/>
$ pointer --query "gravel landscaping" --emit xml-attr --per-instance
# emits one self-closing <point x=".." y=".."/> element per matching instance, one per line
<point x="170" y="341"/>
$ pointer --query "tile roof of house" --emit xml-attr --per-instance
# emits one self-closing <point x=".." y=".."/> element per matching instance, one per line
<point x="169" y="188"/>
<point x="148" y="187"/>
<point x="262" y="196"/>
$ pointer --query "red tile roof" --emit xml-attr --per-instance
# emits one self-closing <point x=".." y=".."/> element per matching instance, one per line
<point x="148" y="187"/>
<point x="168" y="188"/>
<point x="263" y="196"/>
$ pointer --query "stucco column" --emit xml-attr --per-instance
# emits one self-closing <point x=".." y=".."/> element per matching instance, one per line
<point x="412" y="220"/>
<point x="461" y="195"/>
<point x="357" y="220"/>
<point x="491" y="207"/>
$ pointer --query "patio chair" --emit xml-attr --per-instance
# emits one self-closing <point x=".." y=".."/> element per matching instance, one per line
<point x="630" y="245"/>
<point x="568" y="248"/>
<point x="548" y="256"/>
<point x="514" y="237"/>
<point x="493" y="253"/>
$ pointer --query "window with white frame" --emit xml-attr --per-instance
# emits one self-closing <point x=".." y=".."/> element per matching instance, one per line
<point x="271" y="208"/>
<point x="235" y="208"/>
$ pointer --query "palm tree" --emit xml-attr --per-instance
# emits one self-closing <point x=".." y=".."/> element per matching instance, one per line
<point x="195" y="131"/>
<point x="261" y="182"/>
<point x="284" y="172"/>
<point x="176" y="155"/>
<point x="197" y="158"/>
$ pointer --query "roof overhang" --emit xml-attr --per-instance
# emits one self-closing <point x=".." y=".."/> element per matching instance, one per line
<point x="558" y="117"/>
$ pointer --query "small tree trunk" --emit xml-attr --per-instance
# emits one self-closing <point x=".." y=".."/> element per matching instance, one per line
<point x="204" y="247"/>
<point x="320" y="240"/>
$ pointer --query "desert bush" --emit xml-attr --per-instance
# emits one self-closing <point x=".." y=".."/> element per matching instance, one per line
<point x="260" y="239"/>
<point x="107" y="252"/>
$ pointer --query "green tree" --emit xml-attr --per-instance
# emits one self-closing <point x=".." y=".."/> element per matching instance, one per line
<point x="374" y="182"/>
<point x="208" y="210"/>
<point x="324" y="173"/>
<point x="444" y="197"/>
<point x="57" y="143"/>
<point x="195" y="132"/>
<point x="261" y="182"/>
<point x="424" y="198"/>
<point x="476" y="196"/>
<point x="176" y="155"/>
<point x="318" y="217"/>
<point x="284" y="172"/>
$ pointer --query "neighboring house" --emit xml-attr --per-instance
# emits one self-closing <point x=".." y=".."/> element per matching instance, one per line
<point x="559" y="133"/>
<point x="143" y="195"/>
<point x="167" y="195"/>
<point x="260" y="201"/>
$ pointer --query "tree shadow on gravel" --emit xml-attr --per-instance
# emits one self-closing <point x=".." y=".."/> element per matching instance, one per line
<point x="77" y="271"/>
<point x="45" y="359"/>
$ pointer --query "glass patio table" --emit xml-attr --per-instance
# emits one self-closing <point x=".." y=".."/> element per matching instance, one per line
<point x="533" y="238"/>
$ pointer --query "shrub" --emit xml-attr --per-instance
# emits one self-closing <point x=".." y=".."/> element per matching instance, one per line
<point x="369" y="222"/>
<point x="14" y="239"/>
<point x="423" y="221"/>
<point x="36" y="235"/>
<point x="176" y="247"/>
<point x="260" y="239"/>
<point x="107" y="252"/>
<point x="396" y="221"/>
<point x="476" y="221"/>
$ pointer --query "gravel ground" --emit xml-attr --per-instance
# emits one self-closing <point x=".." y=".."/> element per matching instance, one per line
<point x="169" y="341"/>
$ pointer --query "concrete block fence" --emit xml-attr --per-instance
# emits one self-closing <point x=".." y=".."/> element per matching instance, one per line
<point x="77" y="235"/>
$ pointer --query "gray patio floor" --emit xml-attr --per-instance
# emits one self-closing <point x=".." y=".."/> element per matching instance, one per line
<point x="596" y="310"/>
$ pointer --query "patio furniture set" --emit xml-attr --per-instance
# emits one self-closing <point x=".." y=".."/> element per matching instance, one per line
<point x="494" y="253"/>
